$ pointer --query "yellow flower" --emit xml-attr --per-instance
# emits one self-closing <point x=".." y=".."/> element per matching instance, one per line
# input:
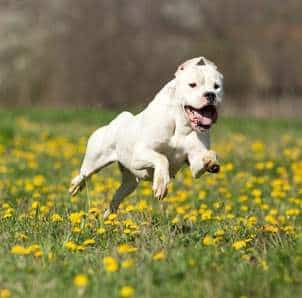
<point x="176" y="220"/>
<point x="38" y="180"/>
<point x="288" y="229"/>
<point x="126" y="248"/>
<point x="76" y="217"/>
<point x="112" y="216"/>
<point x="4" y="293"/>
<point x="219" y="233"/>
<point x="228" y="167"/>
<point x="271" y="229"/>
<point x="142" y="205"/>
<point x="208" y="240"/>
<point x="110" y="264"/>
<point x="243" y="198"/>
<point x="35" y="205"/>
<point x="76" y="230"/>
<point x="202" y="194"/>
<point x="89" y="242"/>
<point x="256" y="192"/>
<point x="101" y="231"/>
<point x="126" y="291"/>
<point x="70" y="245"/>
<point x="94" y="211"/>
<point x="56" y="218"/>
<point x="80" y="280"/>
<point x="127" y="264"/>
<point x="206" y="215"/>
<point x="292" y="212"/>
<point x="264" y="265"/>
<point x="244" y="208"/>
<point x="257" y="147"/>
<point x="271" y="219"/>
<point x="239" y="244"/>
<point x="19" y="250"/>
<point x="160" y="255"/>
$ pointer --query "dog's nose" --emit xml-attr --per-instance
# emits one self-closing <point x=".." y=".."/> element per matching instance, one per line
<point x="210" y="96"/>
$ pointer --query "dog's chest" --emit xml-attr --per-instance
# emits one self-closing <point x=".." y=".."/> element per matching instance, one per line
<point x="176" y="154"/>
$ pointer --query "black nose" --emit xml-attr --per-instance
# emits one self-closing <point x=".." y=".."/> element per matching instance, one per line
<point x="210" y="96"/>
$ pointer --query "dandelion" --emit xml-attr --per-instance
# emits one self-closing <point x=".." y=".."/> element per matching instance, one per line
<point x="35" y="205"/>
<point x="5" y="293"/>
<point x="94" y="211"/>
<point x="80" y="280"/>
<point x="70" y="245"/>
<point x="219" y="233"/>
<point x="176" y="220"/>
<point x="38" y="180"/>
<point x="56" y="218"/>
<point x="110" y="264"/>
<point x="129" y="263"/>
<point x="19" y="250"/>
<point x="263" y="265"/>
<point x="292" y="212"/>
<point x="89" y="242"/>
<point x="76" y="217"/>
<point x="126" y="248"/>
<point x="76" y="230"/>
<point x="126" y="291"/>
<point x="159" y="256"/>
<point x="239" y="244"/>
<point x="258" y="147"/>
<point x="206" y="215"/>
<point x="208" y="240"/>
<point x="270" y="229"/>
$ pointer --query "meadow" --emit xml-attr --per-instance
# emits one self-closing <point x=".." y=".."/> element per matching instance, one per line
<point x="234" y="234"/>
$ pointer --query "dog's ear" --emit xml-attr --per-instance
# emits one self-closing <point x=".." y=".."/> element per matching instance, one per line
<point x="201" y="62"/>
<point x="205" y="61"/>
<point x="193" y="61"/>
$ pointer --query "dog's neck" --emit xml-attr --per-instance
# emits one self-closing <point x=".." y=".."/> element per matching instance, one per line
<point x="182" y="123"/>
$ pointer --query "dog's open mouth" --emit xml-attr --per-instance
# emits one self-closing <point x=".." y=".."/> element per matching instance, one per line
<point x="202" y="118"/>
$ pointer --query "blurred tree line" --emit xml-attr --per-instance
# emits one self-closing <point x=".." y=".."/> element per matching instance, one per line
<point x="118" y="53"/>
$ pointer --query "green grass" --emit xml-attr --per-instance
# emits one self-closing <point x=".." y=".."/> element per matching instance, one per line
<point x="257" y="199"/>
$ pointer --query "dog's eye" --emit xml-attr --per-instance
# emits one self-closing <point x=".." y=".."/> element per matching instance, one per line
<point x="216" y="86"/>
<point x="192" y="85"/>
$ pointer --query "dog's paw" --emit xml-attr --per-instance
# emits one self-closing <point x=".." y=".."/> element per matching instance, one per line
<point x="76" y="185"/>
<point x="160" y="183"/>
<point x="211" y="164"/>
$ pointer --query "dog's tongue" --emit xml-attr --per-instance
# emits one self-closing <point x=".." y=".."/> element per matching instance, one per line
<point x="209" y="115"/>
<point x="205" y="116"/>
<point x="205" y="120"/>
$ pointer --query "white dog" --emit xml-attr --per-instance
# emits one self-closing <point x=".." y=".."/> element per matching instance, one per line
<point x="156" y="143"/>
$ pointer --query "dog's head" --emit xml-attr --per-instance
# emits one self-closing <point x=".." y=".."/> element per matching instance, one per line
<point x="199" y="87"/>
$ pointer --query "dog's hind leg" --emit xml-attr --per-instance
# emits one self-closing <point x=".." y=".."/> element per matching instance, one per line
<point x="128" y="185"/>
<point x="100" y="152"/>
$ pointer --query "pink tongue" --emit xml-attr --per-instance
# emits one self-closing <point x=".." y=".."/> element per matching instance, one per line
<point x="197" y="118"/>
<point x="205" y="120"/>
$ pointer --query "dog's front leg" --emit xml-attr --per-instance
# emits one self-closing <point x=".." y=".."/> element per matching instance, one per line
<point x="145" y="158"/>
<point x="201" y="159"/>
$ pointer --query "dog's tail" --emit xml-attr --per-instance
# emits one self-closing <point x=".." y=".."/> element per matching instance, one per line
<point x="77" y="184"/>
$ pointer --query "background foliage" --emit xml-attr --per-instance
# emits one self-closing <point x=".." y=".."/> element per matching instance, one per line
<point x="118" y="53"/>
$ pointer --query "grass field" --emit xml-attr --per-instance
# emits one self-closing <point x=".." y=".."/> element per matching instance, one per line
<point x="235" y="234"/>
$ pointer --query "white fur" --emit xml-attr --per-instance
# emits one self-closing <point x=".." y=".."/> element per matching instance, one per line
<point x="156" y="143"/>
